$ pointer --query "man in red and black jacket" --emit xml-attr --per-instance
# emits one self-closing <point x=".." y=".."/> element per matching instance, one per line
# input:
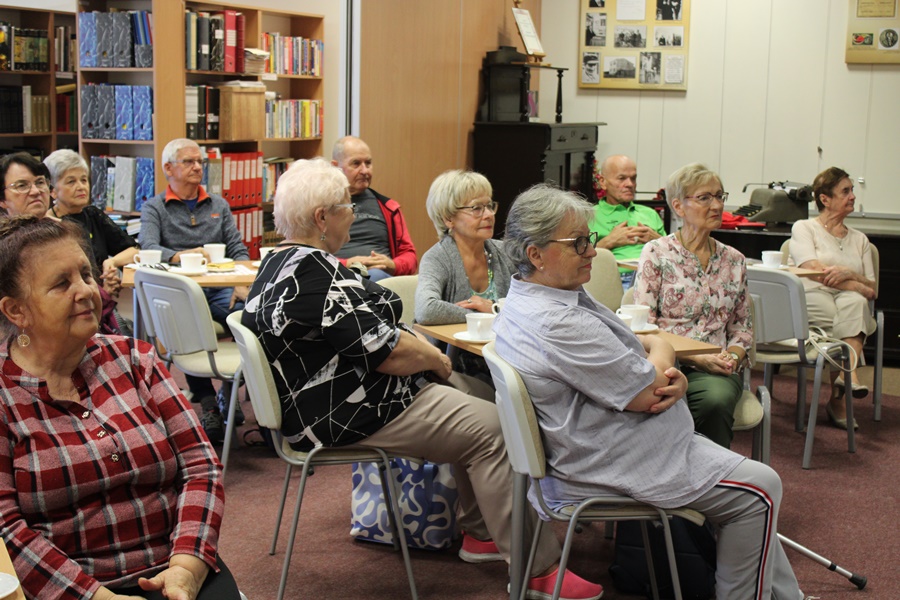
<point x="379" y="238"/>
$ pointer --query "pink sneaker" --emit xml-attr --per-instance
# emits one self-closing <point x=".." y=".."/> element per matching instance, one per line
<point x="476" y="551"/>
<point x="573" y="587"/>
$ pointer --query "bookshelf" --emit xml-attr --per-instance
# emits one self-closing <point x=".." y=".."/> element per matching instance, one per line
<point x="41" y="82"/>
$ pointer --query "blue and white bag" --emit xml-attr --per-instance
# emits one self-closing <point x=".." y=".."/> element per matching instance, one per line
<point x="428" y="503"/>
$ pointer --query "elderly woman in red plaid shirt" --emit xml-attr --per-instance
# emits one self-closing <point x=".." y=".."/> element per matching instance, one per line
<point x="108" y="485"/>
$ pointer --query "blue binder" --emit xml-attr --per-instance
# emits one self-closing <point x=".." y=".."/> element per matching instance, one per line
<point x="142" y="112"/>
<point x="106" y="111"/>
<point x="87" y="39"/>
<point x="144" y="184"/>
<point x="89" y="115"/>
<point x="124" y="118"/>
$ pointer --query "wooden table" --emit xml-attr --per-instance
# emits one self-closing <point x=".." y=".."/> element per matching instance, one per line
<point x="7" y="567"/>
<point x="683" y="346"/>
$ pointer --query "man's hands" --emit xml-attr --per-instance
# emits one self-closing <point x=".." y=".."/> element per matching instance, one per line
<point x="671" y="393"/>
<point x="375" y="261"/>
<point x="623" y="235"/>
<point x="239" y="295"/>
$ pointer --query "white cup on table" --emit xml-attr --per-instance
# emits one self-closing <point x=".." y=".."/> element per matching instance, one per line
<point x="771" y="258"/>
<point x="148" y="257"/>
<point x="216" y="252"/>
<point x="498" y="306"/>
<point x="639" y="314"/>
<point x="479" y="325"/>
<point x="193" y="262"/>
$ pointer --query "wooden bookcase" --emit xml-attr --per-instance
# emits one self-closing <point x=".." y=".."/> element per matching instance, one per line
<point x="42" y="82"/>
<point x="168" y="77"/>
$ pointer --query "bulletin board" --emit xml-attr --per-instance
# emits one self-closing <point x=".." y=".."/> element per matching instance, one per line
<point x="634" y="44"/>
<point x="873" y="32"/>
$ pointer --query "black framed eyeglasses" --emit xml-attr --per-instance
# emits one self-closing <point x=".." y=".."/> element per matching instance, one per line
<point x="706" y="199"/>
<point x="581" y="242"/>
<point x="478" y="209"/>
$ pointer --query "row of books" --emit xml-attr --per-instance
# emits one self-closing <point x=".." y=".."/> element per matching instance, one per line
<point x="23" y="49"/>
<point x="116" y="112"/>
<point x="273" y="168"/>
<point x="214" y="41"/>
<point x="250" y="223"/>
<point x="293" y="118"/>
<point x="115" y="39"/>
<point x="293" y="55"/>
<point x="66" y="109"/>
<point x="236" y="176"/>
<point x="201" y="112"/>
<point x="65" y="48"/>
<point x="121" y="183"/>
<point x="22" y="112"/>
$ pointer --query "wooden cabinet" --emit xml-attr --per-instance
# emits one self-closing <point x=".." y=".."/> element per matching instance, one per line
<point x="515" y="156"/>
<point x="752" y="243"/>
<point x="40" y="82"/>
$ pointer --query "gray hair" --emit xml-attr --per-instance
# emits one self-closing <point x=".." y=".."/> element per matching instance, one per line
<point x="534" y="216"/>
<point x="337" y="151"/>
<point x="688" y="178"/>
<point x="62" y="161"/>
<point x="304" y="187"/>
<point x="170" y="152"/>
<point x="449" y="191"/>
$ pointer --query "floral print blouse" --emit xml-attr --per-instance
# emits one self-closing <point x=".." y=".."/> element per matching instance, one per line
<point x="710" y="305"/>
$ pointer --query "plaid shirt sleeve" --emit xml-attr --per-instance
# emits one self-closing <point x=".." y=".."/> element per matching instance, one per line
<point x="105" y="490"/>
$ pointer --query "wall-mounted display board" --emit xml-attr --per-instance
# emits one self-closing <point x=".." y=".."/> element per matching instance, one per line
<point x="873" y="32"/>
<point x="634" y="44"/>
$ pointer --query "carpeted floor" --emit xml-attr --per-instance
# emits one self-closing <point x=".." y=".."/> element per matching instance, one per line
<point x="845" y="508"/>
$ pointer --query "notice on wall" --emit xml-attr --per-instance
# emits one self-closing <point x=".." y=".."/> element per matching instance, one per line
<point x="634" y="44"/>
<point x="873" y="32"/>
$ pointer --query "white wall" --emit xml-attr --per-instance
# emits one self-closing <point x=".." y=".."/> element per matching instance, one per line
<point x="767" y="87"/>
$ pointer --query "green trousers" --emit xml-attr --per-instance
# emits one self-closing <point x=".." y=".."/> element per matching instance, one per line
<point x="712" y="399"/>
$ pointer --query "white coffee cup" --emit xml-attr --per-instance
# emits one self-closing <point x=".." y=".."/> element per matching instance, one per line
<point x="625" y="319"/>
<point x="479" y="325"/>
<point x="498" y="305"/>
<point x="639" y="315"/>
<point x="264" y="250"/>
<point x="216" y="252"/>
<point x="148" y="257"/>
<point x="193" y="262"/>
<point x="771" y="258"/>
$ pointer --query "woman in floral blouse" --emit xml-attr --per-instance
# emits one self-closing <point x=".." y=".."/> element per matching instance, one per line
<point x="696" y="287"/>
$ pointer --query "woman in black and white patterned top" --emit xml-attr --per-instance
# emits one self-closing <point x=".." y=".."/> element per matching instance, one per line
<point x="349" y="373"/>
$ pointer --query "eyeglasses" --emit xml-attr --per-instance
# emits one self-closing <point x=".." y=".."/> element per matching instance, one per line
<point x="478" y="209"/>
<point x="581" y="242"/>
<point x="707" y="199"/>
<point x="23" y="187"/>
<point x="189" y="162"/>
<point x="352" y="206"/>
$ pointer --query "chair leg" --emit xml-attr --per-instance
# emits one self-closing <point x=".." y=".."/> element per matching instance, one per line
<point x="813" y="412"/>
<point x="848" y="399"/>
<point x="518" y="572"/>
<point x="670" y="552"/>
<point x="284" y="491"/>
<point x="648" y="556"/>
<point x="879" y="360"/>
<point x="294" y="522"/>
<point x="801" y="397"/>
<point x="564" y="558"/>
<point x="229" y="426"/>
<point x="398" y="533"/>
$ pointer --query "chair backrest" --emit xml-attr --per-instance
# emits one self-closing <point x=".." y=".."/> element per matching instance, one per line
<point x="175" y="312"/>
<point x="517" y="419"/>
<point x="257" y="374"/>
<point x="405" y="287"/>
<point x="780" y="305"/>
<point x="786" y="252"/>
<point x="605" y="284"/>
<point x="628" y="296"/>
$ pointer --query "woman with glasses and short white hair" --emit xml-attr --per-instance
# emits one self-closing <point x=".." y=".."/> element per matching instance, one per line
<point x="466" y="270"/>
<point x="696" y="287"/>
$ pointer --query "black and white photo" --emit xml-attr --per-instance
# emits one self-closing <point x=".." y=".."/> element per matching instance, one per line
<point x="631" y="36"/>
<point x="619" y="67"/>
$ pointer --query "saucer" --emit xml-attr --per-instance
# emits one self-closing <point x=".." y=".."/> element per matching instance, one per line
<point x="8" y="584"/>
<point x="188" y="272"/>
<point x="464" y="336"/>
<point x="256" y="263"/>
<point x="648" y="328"/>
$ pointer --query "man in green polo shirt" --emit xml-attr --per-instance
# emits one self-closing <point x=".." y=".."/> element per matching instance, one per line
<point x="624" y="226"/>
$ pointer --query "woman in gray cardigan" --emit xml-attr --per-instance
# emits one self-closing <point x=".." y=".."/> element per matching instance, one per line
<point x="466" y="270"/>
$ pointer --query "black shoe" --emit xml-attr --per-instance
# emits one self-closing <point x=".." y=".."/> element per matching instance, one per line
<point x="223" y="399"/>
<point x="213" y="425"/>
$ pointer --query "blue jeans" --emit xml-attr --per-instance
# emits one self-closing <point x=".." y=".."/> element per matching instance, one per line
<point x="378" y="275"/>
<point x="218" y="300"/>
<point x="627" y="278"/>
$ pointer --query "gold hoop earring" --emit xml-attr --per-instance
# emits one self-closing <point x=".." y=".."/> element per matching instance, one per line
<point x="23" y="340"/>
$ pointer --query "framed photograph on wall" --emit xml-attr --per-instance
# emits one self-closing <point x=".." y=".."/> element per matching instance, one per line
<point x="873" y="32"/>
<point x="634" y="44"/>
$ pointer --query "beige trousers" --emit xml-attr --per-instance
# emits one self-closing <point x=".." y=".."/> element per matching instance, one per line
<point x="842" y="314"/>
<point x="445" y="425"/>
